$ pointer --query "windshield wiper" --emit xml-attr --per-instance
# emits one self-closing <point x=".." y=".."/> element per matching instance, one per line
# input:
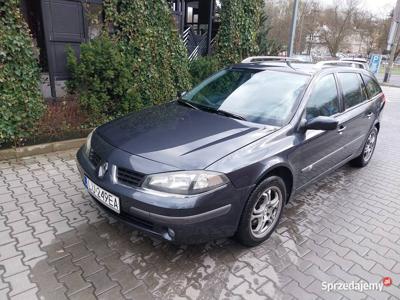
<point x="230" y="114"/>
<point x="217" y="111"/>
<point x="187" y="103"/>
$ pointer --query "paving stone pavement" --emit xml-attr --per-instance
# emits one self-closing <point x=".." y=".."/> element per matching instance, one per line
<point x="56" y="244"/>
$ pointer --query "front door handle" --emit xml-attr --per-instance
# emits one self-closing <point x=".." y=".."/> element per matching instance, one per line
<point x="341" y="129"/>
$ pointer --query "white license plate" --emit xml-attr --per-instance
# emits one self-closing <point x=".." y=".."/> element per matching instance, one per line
<point x="108" y="199"/>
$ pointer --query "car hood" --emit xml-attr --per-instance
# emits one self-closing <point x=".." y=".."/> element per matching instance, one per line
<point x="180" y="136"/>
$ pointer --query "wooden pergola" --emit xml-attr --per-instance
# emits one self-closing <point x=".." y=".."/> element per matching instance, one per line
<point x="199" y="15"/>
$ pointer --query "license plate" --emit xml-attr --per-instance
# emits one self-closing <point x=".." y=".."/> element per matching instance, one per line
<point x="108" y="199"/>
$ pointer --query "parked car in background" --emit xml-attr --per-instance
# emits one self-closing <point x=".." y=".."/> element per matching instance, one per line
<point x="226" y="157"/>
<point x="303" y="58"/>
<point x="358" y="62"/>
<point x="341" y="63"/>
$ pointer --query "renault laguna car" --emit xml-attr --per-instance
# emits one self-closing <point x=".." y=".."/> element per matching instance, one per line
<point x="225" y="158"/>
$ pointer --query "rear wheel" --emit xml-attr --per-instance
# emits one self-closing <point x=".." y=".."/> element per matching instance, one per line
<point x="363" y="159"/>
<point x="262" y="212"/>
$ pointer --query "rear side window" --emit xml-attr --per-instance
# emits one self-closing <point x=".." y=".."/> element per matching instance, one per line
<point x="353" y="93"/>
<point x="372" y="86"/>
<point x="324" y="99"/>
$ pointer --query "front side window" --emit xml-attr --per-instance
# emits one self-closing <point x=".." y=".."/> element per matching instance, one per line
<point x="372" y="86"/>
<point x="324" y="99"/>
<point x="266" y="97"/>
<point x="352" y="90"/>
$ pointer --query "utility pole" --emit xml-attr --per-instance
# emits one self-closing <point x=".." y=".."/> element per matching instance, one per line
<point x="293" y="27"/>
<point x="393" y="39"/>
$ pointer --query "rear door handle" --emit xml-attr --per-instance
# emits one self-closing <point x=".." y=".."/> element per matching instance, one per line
<point x="369" y="115"/>
<point x="341" y="129"/>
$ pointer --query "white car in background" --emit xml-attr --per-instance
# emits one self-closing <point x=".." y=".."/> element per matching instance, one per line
<point x="361" y="63"/>
<point x="358" y="63"/>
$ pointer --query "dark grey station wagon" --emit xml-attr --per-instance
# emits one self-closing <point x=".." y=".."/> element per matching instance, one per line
<point x="225" y="158"/>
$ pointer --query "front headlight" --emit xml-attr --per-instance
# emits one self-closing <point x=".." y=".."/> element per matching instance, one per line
<point x="88" y="144"/>
<point x="185" y="182"/>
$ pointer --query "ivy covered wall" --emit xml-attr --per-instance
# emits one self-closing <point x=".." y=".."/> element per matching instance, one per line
<point x="237" y="36"/>
<point x="21" y="103"/>
<point x="148" y="28"/>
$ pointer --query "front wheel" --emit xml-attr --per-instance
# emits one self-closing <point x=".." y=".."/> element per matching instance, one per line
<point x="262" y="212"/>
<point x="363" y="159"/>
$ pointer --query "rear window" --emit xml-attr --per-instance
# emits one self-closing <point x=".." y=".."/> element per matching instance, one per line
<point x="352" y="90"/>
<point x="372" y="86"/>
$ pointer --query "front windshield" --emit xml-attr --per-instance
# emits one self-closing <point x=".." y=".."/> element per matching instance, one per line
<point x="267" y="97"/>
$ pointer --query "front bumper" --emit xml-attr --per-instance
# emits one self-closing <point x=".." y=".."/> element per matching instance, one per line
<point x="189" y="219"/>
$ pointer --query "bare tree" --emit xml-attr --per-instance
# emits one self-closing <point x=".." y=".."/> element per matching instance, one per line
<point x="342" y="26"/>
<point x="307" y="24"/>
<point x="335" y="24"/>
<point x="279" y="12"/>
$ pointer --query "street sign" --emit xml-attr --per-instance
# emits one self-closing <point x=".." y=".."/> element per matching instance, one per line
<point x="375" y="63"/>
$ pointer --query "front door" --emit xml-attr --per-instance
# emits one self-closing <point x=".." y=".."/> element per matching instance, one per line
<point x="64" y="25"/>
<point x="319" y="150"/>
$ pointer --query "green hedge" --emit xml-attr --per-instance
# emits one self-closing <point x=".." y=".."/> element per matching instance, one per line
<point x="104" y="79"/>
<point x="20" y="97"/>
<point x="141" y="62"/>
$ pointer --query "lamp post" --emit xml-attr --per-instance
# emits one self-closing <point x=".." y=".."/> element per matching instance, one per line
<point x="393" y="39"/>
<point x="293" y="28"/>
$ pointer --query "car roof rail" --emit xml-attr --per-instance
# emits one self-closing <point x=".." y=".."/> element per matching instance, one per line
<point x="355" y="59"/>
<point x="343" y="63"/>
<point x="256" y="59"/>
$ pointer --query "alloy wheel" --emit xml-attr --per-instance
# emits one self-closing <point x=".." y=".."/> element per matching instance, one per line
<point x="266" y="211"/>
<point x="369" y="146"/>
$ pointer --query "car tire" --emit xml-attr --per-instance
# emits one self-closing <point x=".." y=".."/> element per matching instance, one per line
<point x="251" y="231"/>
<point x="369" y="147"/>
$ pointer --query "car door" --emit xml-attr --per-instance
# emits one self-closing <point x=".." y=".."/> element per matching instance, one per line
<point x="319" y="150"/>
<point x="358" y="116"/>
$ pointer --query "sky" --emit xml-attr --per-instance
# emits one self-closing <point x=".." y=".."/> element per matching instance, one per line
<point x="377" y="7"/>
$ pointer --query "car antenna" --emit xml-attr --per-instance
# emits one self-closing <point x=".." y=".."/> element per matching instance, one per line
<point x="289" y="65"/>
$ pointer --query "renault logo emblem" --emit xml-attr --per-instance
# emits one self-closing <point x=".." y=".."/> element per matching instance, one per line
<point x="102" y="170"/>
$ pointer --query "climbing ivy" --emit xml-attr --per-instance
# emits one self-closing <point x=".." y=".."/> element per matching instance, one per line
<point x="237" y="36"/>
<point x="160" y="59"/>
<point x="21" y="104"/>
<point x="148" y="53"/>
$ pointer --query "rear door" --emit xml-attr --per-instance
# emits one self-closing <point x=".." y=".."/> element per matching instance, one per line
<point x="359" y="113"/>
<point x="319" y="150"/>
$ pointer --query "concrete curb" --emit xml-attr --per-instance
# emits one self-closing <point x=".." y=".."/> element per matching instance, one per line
<point x="389" y="84"/>
<point x="41" y="149"/>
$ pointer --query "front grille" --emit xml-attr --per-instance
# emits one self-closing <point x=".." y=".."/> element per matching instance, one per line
<point x="129" y="177"/>
<point x="94" y="158"/>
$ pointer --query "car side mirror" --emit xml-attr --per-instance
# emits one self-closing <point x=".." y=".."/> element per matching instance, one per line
<point x="321" y="123"/>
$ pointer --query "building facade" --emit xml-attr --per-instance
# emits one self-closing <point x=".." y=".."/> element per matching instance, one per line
<point x="56" y="25"/>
